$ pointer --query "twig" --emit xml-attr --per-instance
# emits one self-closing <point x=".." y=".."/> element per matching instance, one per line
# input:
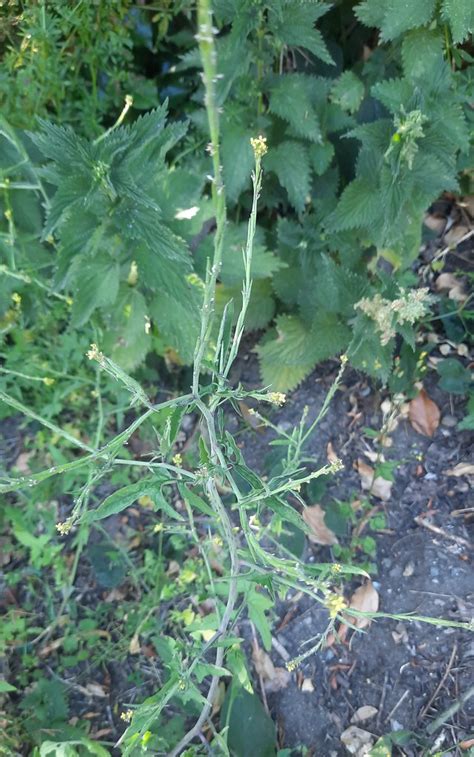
<point x="256" y="649"/>
<point x="451" y="710"/>
<point x="382" y="701"/>
<point x="439" y="531"/>
<point x="392" y="712"/>
<point x="427" y="707"/>
<point x="284" y="654"/>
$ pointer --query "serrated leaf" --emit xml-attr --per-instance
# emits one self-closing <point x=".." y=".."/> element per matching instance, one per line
<point x="358" y="206"/>
<point x="348" y="91"/>
<point x="126" y="338"/>
<point x="290" y="100"/>
<point x="177" y="322"/>
<point x="96" y="284"/>
<point x="290" y="163"/>
<point x="321" y="156"/>
<point x="296" y="27"/>
<point x="394" y="17"/>
<point x="421" y="51"/>
<point x="460" y="15"/>
<point x="284" y="360"/>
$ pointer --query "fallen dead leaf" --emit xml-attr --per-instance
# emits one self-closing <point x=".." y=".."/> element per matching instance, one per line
<point x="357" y="741"/>
<point x="467" y="744"/>
<point x="365" y="712"/>
<point x="364" y="599"/>
<point x="134" y="646"/>
<point x="461" y="469"/>
<point x="424" y="414"/>
<point x="273" y="678"/>
<point x="46" y="651"/>
<point x="331" y="454"/>
<point x="379" y="486"/>
<point x="307" y="686"/>
<point x="320" y="533"/>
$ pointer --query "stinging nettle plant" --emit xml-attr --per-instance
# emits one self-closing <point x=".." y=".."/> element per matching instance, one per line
<point x="240" y="509"/>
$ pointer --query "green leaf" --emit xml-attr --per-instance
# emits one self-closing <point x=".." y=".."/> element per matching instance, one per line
<point x="454" y="377"/>
<point x="118" y="501"/>
<point x="296" y="27"/>
<point x="394" y="17"/>
<point x="251" y="730"/>
<point x="321" y="156"/>
<point x="125" y="338"/>
<point x="258" y="604"/>
<point x="348" y="92"/>
<point x="421" y="51"/>
<point x="6" y="687"/>
<point x="460" y="16"/>
<point x="289" y="161"/>
<point x="290" y="100"/>
<point x="284" y="359"/>
<point x="195" y="501"/>
<point x="237" y="158"/>
<point x="358" y="206"/>
<point x="96" y="284"/>
<point x="177" y="321"/>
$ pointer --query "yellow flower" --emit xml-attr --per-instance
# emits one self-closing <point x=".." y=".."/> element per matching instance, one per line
<point x="16" y="299"/>
<point x="64" y="528"/>
<point x="335" y="603"/>
<point x="95" y="354"/>
<point x="49" y="381"/>
<point x="178" y="460"/>
<point x="259" y="146"/>
<point x="126" y="716"/>
<point x="276" y="398"/>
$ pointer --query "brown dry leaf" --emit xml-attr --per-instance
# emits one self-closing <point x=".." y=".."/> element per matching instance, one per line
<point x="273" y="678"/>
<point x="134" y="646"/>
<point x="365" y="712"/>
<point x="467" y="744"/>
<point x="357" y="741"/>
<point x="320" y="533"/>
<point x="461" y="469"/>
<point x="424" y="414"/>
<point x="331" y="454"/>
<point x="364" y="599"/>
<point x="379" y="486"/>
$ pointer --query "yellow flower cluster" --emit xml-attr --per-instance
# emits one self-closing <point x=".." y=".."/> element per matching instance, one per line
<point x="178" y="460"/>
<point x="276" y="398"/>
<point x="259" y="146"/>
<point x="95" y="354"/>
<point x="64" y="528"/>
<point x="335" y="603"/>
<point x="126" y="716"/>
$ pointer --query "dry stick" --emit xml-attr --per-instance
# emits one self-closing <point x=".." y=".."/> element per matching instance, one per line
<point x="393" y="711"/>
<point x="440" y="532"/>
<point x="427" y="707"/>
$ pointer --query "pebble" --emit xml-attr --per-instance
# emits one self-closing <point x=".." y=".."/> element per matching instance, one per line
<point x="449" y="420"/>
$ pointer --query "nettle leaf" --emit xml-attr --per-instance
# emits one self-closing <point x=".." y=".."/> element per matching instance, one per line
<point x="421" y="52"/>
<point x="126" y="338"/>
<point x="295" y="27"/>
<point x="394" y="17"/>
<point x="321" y="156"/>
<point x="358" y="206"/>
<point x="284" y="358"/>
<point x="261" y="307"/>
<point x="289" y="161"/>
<point x="290" y="100"/>
<point x="237" y="158"/>
<point x="177" y="322"/>
<point x="348" y="92"/>
<point x="460" y="16"/>
<point x="96" y="284"/>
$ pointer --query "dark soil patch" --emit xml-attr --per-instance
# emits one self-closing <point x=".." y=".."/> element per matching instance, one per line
<point x="394" y="666"/>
